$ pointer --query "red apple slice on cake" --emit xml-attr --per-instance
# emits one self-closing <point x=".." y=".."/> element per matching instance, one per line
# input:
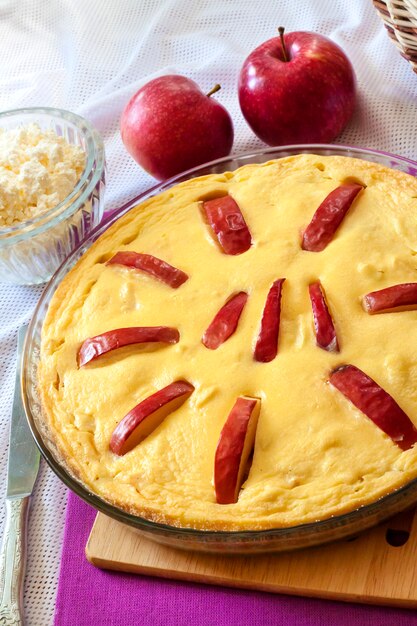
<point x="226" y="219"/>
<point x="234" y="447"/>
<point x="375" y="403"/>
<point x="401" y="297"/>
<point x="94" y="347"/>
<point x="225" y="322"/>
<point x="148" y="415"/>
<point x="328" y="217"/>
<point x="323" y="322"/>
<point x="150" y="264"/>
<point x="266" y="348"/>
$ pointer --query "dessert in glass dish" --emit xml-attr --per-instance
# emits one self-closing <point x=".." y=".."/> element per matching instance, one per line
<point x="229" y="364"/>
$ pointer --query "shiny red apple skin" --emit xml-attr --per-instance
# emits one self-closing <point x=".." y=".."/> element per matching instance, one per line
<point x="323" y="323"/>
<point x="375" y="403"/>
<point x="328" y="217"/>
<point x="266" y="348"/>
<point x="226" y="219"/>
<point x="147" y="415"/>
<point x="150" y="264"/>
<point x="170" y="126"/>
<point x="308" y="99"/>
<point x="235" y="444"/>
<point x="401" y="297"/>
<point x="93" y="347"/>
<point x="225" y="321"/>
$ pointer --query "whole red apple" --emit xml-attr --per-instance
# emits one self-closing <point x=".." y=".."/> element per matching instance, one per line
<point x="297" y="88"/>
<point x="170" y="125"/>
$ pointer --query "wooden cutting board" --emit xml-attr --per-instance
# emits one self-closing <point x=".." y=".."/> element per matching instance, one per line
<point x="378" y="567"/>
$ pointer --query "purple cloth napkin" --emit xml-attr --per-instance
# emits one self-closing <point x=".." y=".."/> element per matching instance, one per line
<point x="88" y="596"/>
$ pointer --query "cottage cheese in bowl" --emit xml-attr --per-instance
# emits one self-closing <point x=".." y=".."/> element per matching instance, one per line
<point x="38" y="169"/>
<point x="52" y="180"/>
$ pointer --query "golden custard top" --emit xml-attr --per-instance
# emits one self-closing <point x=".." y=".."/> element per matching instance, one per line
<point x="315" y="453"/>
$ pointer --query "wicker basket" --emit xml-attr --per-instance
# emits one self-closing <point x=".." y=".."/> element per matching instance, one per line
<point x="400" y="19"/>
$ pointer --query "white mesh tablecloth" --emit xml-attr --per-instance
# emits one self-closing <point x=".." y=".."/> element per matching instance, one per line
<point x="90" y="56"/>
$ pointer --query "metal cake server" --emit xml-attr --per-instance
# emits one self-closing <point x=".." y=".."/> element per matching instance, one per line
<point x="22" y="469"/>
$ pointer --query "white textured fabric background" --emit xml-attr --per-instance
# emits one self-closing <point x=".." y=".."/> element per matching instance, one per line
<point x="90" y="56"/>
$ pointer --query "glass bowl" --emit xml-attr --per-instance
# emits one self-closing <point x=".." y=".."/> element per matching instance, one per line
<point x="233" y="542"/>
<point x="30" y="252"/>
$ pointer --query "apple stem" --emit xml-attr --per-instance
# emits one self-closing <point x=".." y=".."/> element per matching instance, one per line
<point x="212" y="91"/>
<point x="281" y="31"/>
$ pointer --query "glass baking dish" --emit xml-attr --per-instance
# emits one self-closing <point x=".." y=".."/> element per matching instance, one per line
<point x="234" y="542"/>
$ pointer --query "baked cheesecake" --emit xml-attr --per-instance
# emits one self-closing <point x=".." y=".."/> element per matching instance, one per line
<point x="238" y="352"/>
